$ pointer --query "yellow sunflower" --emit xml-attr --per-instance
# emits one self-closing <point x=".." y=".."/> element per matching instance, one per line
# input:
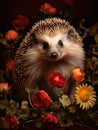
<point x="85" y="96"/>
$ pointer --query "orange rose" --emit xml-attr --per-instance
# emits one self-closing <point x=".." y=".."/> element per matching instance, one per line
<point x="45" y="6"/>
<point x="11" y="35"/>
<point x="48" y="9"/>
<point x="51" y="10"/>
<point x="78" y="74"/>
<point x="4" y="86"/>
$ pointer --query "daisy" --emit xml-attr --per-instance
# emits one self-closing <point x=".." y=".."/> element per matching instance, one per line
<point x="85" y="96"/>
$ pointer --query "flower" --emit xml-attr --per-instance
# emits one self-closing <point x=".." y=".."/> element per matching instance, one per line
<point x="85" y="96"/>
<point x="4" y="86"/>
<point x="49" y="120"/>
<point x="11" y="35"/>
<point x="20" y="23"/>
<point x="48" y="9"/>
<point x="11" y="120"/>
<point x="41" y="99"/>
<point x="78" y="74"/>
<point x="10" y="64"/>
<point x="57" y="80"/>
<point x="69" y="2"/>
<point x="65" y="101"/>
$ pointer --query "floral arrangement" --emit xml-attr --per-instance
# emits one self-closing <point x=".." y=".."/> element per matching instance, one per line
<point x="40" y="110"/>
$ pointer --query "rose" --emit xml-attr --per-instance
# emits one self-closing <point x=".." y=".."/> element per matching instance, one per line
<point x="49" y="120"/>
<point x="20" y="23"/>
<point x="57" y="80"/>
<point x="11" y="35"/>
<point x="10" y="64"/>
<point x="48" y="9"/>
<point x="69" y="2"/>
<point x="4" y="86"/>
<point x="45" y="6"/>
<point x="41" y="99"/>
<point x="11" y="120"/>
<point x="78" y="74"/>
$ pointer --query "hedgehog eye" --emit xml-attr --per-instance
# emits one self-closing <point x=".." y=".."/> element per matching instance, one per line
<point x="60" y="43"/>
<point x="45" y="45"/>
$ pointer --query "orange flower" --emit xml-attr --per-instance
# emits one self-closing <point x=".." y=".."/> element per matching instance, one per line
<point x="10" y="64"/>
<point x="48" y="9"/>
<point x="11" y="35"/>
<point x="4" y="86"/>
<point x="78" y="74"/>
<point x="45" y="6"/>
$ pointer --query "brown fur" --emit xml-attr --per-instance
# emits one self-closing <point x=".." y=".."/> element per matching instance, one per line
<point x="34" y="61"/>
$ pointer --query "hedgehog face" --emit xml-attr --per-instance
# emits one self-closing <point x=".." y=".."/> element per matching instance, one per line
<point x="54" y="39"/>
<point x="54" y="46"/>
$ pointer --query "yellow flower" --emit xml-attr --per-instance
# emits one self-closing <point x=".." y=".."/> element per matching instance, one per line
<point x="85" y="96"/>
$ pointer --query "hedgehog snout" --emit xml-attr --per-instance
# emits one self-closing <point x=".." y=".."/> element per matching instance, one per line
<point x="54" y="55"/>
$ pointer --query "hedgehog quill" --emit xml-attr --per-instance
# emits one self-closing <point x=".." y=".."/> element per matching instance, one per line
<point x="52" y="45"/>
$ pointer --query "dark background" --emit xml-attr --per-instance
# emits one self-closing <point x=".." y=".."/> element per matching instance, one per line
<point x="87" y="9"/>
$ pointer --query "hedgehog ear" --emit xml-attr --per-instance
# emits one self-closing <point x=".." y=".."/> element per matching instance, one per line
<point x="71" y="34"/>
<point x="33" y="39"/>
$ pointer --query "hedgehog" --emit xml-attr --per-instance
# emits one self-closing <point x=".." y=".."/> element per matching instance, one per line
<point x="51" y="45"/>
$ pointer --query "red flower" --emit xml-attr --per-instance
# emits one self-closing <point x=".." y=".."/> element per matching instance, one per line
<point x="49" y="120"/>
<point x="57" y="80"/>
<point x="20" y="23"/>
<point x="10" y="64"/>
<point x="69" y="2"/>
<point x="78" y="74"/>
<point x="41" y="99"/>
<point x="11" y="120"/>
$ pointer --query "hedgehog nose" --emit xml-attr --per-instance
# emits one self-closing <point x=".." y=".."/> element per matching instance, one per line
<point x="54" y="55"/>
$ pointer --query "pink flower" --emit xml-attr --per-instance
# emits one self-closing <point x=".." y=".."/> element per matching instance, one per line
<point x="49" y="120"/>
<point x="41" y="99"/>
<point x="57" y="80"/>
<point x="11" y="120"/>
<point x="11" y="35"/>
<point x="78" y="74"/>
<point x="20" y="23"/>
<point x="4" y="86"/>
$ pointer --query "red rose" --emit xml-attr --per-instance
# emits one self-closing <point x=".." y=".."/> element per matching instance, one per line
<point x="49" y="120"/>
<point x="41" y="99"/>
<point x="69" y="2"/>
<point x="57" y="80"/>
<point x="11" y="120"/>
<point x="20" y="23"/>
<point x="10" y="65"/>
<point x="78" y="74"/>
